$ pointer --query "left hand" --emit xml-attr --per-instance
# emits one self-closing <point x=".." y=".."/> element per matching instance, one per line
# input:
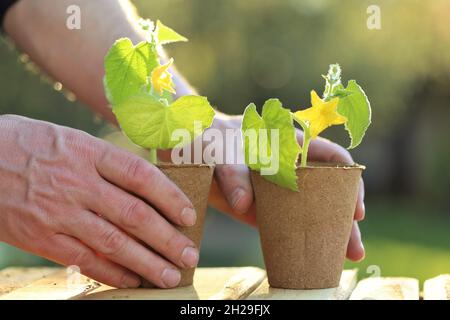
<point x="232" y="191"/>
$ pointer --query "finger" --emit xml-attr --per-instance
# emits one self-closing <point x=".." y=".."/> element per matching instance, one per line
<point x="69" y="251"/>
<point x="355" y="248"/>
<point x="217" y="200"/>
<point x="234" y="181"/>
<point x="115" y="245"/>
<point x="138" y="176"/>
<point x="142" y="221"/>
<point x="360" y="210"/>
<point x="324" y="150"/>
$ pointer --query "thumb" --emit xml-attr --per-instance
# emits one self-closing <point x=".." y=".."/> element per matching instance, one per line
<point x="234" y="181"/>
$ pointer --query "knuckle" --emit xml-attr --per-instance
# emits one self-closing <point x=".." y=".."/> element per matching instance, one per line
<point x="83" y="259"/>
<point x="175" y="242"/>
<point x="134" y="214"/>
<point x="103" y="155"/>
<point x="177" y="197"/>
<point x="87" y="146"/>
<point x="114" y="241"/>
<point x="122" y="278"/>
<point x="138" y="170"/>
<point x="74" y="136"/>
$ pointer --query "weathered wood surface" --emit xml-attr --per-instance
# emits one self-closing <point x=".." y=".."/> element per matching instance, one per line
<point x="14" y="278"/>
<point x="54" y="286"/>
<point x="437" y="288"/>
<point x="377" y="288"/>
<point x="213" y="283"/>
<point x="209" y="283"/>
<point x="241" y="285"/>
<point x="346" y="286"/>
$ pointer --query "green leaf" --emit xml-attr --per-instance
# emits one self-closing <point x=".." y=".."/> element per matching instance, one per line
<point x="340" y="92"/>
<point x="167" y="35"/>
<point x="274" y="116"/>
<point x="252" y="121"/>
<point x="127" y="68"/>
<point x="356" y="108"/>
<point x="150" y="123"/>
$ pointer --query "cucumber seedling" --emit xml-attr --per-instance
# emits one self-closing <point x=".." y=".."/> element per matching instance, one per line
<point x="339" y="105"/>
<point x="140" y="90"/>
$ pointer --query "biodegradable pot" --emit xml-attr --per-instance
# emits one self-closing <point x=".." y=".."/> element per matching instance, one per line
<point x="304" y="235"/>
<point x="195" y="181"/>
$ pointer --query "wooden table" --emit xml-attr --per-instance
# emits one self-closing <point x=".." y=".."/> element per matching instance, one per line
<point x="212" y="283"/>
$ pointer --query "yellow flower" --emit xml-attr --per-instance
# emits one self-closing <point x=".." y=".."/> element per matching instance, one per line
<point x="162" y="79"/>
<point x="321" y="115"/>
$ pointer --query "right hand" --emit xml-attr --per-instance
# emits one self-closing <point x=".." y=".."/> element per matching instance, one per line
<point x="232" y="193"/>
<point x="77" y="200"/>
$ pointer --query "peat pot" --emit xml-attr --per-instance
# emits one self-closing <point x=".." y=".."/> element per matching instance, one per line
<point x="304" y="234"/>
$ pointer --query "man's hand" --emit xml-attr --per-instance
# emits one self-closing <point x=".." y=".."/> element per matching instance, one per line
<point x="232" y="190"/>
<point x="78" y="200"/>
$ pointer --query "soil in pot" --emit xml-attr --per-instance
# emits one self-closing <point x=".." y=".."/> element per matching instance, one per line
<point x="195" y="181"/>
<point x="304" y="235"/>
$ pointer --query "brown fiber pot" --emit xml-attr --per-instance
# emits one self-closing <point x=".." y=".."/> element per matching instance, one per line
<point x="304" y="235"/>
<point x="195" y="181"/>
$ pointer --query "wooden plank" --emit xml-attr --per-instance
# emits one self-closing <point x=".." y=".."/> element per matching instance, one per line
<point x="17" y="277"/>
<point x="347" y="283"/>
<point x="377" y="288"/>
<point x="241" y="285"/>
<point x="437" y="288"/>
<point x="56" y="286"/>
<point x="215" y="283"/>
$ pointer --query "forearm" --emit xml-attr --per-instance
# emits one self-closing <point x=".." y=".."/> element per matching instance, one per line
<point x="75" y="57"/>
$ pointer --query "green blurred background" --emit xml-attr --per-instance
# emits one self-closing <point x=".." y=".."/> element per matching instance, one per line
<point x="247" y="51"/>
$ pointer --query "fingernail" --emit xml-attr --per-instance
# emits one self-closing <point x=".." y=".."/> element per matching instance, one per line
<point x="130" y="282"/>
<point x="189" y="257"/>
<point x="188" y="217"/>
<point x="236" y="196"/>
<point x="171" y="277"/>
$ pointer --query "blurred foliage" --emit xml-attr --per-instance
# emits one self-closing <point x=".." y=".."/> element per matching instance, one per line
<point x="247" y="51"/>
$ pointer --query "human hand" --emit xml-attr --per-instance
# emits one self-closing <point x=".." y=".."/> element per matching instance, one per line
<point x="232" y="190"/>
<point x="78" y="200"/>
